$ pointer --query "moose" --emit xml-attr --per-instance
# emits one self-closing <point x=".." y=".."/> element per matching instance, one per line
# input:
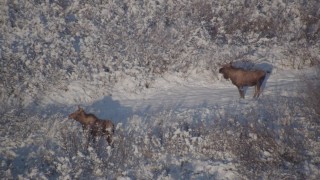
<point x="94" y="126"/>
<point x="241" y="78"/>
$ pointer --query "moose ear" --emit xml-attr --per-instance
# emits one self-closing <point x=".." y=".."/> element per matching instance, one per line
<point x="79" y="108"/>
<point x="230" y="64"/>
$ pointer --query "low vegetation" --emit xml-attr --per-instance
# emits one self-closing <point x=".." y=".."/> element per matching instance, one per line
<point x="277" y="138"/>
<point x="47" y="45"/>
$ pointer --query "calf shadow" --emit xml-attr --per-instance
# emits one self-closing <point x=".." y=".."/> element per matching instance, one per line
<point x="104" y="109"/>
<point x="107" y="108"/>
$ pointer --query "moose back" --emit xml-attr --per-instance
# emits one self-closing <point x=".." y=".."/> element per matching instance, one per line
<point x="241" y="78"/>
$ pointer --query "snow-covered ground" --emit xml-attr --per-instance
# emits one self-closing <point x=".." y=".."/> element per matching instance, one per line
<point x="152" y="68"/>
<point x="190" y="128"/>
<point x="170" y="92"/>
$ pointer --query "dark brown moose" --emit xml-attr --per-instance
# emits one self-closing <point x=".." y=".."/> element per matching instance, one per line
<point x="94" y="126"/>
<point x="241" y="78"/>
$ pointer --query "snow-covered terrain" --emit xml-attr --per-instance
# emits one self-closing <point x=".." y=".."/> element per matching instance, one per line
<point x="177" y="129"/>
<point x="170" y="92"/>
<point x="152" y="68"/>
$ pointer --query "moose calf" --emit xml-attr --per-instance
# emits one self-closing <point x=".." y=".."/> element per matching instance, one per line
<point x="240" y="78"/>
<point x="95" y="126"/>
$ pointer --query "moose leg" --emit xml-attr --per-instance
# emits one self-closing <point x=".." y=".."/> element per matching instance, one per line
<point x="93" y="135"/>
<point x="87" y="134"/>
<point x="90" y="137"/>
<point x="258" y="86"/>
<point x="241" y="91"/>
<point x="109" y="139"/>
<point x="257" y="91"/>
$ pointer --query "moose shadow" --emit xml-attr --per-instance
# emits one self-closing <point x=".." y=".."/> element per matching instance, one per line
<point x="107" y="108"/>
<point x="266" y="67"/>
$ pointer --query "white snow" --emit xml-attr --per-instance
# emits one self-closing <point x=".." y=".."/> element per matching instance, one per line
<point x="172" y="91"/>
<point x="163" y="114"/>
<point x="152" y="68"/>
<point x="178" y="96"/>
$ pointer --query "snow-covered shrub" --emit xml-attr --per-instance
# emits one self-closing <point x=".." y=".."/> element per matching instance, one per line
<point x="272" y="139"/>
<point x="311" y="95"/>
<point x="311" y="90"/>
<point x="47" y="44"/>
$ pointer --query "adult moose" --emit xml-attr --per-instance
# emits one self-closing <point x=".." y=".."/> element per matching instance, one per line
<point x="94" y="126"/>
<point x="241" y="78"/>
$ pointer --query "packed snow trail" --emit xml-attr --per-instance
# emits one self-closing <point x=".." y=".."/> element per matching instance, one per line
<point x="211" y="94"/>
<point x="176" y="94"/>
